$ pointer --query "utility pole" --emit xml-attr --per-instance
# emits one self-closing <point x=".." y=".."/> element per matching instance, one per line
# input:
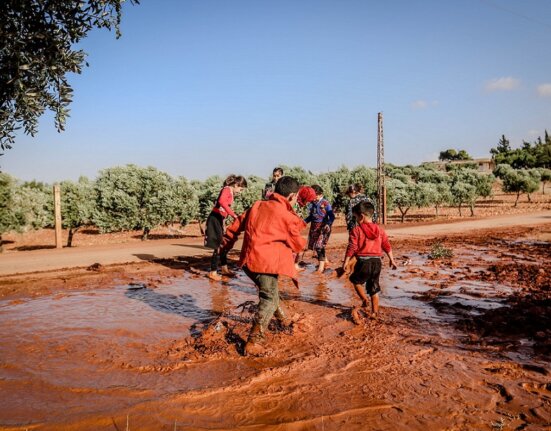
<point x="381" y="187"/>
<point x="57" y="213"/>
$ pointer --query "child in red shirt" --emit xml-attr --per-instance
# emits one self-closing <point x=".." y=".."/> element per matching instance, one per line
<point x="215" y="223"/>
<point x="366" y="242"/>
<point x="272" y="234"/>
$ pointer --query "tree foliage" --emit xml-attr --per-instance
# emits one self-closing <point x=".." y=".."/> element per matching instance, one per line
<point x="250" y="195"/>
<point x="11" y="216"/>
<point x="77" y="205"/>
<point x="463" y="193"/>
<point x="545" y="176"/>
<point x="132" y="197"/>
<point x="37" y="51"/>
<point x="529" y="155"/>
<point x="520" y="181"/>
<point x="36" y="201"/>
<point x="186" y="205"/>
<point x="451" y="155"/>
<point x="442" y="196"/>
<point x="207" y="192"/>
<point x="401" y="195"/>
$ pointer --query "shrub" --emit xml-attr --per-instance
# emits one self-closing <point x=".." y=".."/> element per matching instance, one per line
<point x="438" y="251"/>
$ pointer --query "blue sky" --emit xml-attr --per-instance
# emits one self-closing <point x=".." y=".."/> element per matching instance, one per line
<point x="206" y="87"/>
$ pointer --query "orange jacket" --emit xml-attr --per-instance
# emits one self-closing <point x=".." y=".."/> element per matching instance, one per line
<point x="272" y="234"/>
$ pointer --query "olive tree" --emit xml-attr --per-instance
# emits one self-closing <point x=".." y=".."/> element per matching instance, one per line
<point x="438" y="194"/>
<point x="36" y="202"/>
<point x="132" y="197"/>
<point x="11" y="217"/>
<point x="77" y="205"/>
<point x="250" y="195"/>
<point x="463" y="193"/>
<point x="545" y="176"/>
<point x="303" y="176"/>
<point x="186" y="205"/>
<point x="338" y="181"/>
<point x="520" y="181"/>
<point x="482" y="183"/>
<point x="401" y="195"/>
<point x="433" y="176"/>
<point x="38" y="48"/>
<point x="443" y="196"/>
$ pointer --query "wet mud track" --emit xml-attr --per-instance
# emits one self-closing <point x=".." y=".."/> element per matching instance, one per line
<point x="461" y="344"/>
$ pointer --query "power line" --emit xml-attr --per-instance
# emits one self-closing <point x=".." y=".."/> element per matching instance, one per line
<point x="526" y="17"/>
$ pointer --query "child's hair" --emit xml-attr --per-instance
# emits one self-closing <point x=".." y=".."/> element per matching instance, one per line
<point x="318" y="190"/>
<point x="364" y="208"/>
<point x="286" y="185"/>
<point x="235" y="180"/>
<point x="278" y="169"/>
<point x="354" y="188"/>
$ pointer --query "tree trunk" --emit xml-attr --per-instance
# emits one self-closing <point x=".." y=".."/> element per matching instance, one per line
<point x="472" y="209"/>
<point x="436" y="207"/>
<point x="1" y="244"/>
<point x="403" y="212"/>
<point x="460" y="215"/>
<point x="543" y="187"/>
<point x="70" y="237"/>
<point x="529" y="198"/>
<point x="516" y="202"/>
<point x="145" y="234"/>
<point x="201" y="227"/>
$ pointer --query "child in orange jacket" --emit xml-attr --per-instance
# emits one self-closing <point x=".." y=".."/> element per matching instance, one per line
<point x="272" y="235"/>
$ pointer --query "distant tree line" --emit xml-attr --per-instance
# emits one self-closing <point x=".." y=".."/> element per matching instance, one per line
<point x="137" y="198"/>
<point x="529" y="155"/>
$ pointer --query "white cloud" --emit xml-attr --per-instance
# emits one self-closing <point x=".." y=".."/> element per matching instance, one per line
<point x="533" y="132"/>
<point x="419" y="104"/>
<point x="507" y="83"/>
<point x="423" y="104"/>
<point x="544" y="90"/>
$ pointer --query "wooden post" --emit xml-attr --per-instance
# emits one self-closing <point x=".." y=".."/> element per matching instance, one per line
<point x="384" y="212"/>
<point x="57" y="207"/>
<point x="381" y="187"/>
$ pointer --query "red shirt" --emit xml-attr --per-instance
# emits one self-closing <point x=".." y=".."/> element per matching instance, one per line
<point x="222" y="205"/>
<point x="367" y="239"/>
<point x="272" y="234"/>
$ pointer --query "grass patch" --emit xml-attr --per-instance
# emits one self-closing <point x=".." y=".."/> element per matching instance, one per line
<point x="439" y="251"/>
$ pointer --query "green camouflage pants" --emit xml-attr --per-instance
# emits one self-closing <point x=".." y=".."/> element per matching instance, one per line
<point x="268" y="293"/>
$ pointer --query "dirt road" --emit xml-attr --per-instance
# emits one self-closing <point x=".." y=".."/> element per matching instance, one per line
<point x="55" y="259"/>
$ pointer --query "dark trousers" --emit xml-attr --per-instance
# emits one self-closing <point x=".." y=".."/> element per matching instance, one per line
<point x="320" y="254"/>
<point x="216" y="258"/>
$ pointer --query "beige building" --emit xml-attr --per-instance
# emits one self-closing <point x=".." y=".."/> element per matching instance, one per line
<point x="483" y="164"/>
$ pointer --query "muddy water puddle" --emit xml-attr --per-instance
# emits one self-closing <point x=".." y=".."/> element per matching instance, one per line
<point x="71" y="354"/>
<point x="93" y="350"/>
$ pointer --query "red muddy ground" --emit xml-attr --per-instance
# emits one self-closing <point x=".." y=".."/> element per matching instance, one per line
<point x="462" y="344"/>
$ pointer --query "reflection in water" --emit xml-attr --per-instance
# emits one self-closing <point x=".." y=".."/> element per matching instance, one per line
<point x="322" y="291"/>
<point x="219" y="298"/>
<point x="184" y="305"/>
